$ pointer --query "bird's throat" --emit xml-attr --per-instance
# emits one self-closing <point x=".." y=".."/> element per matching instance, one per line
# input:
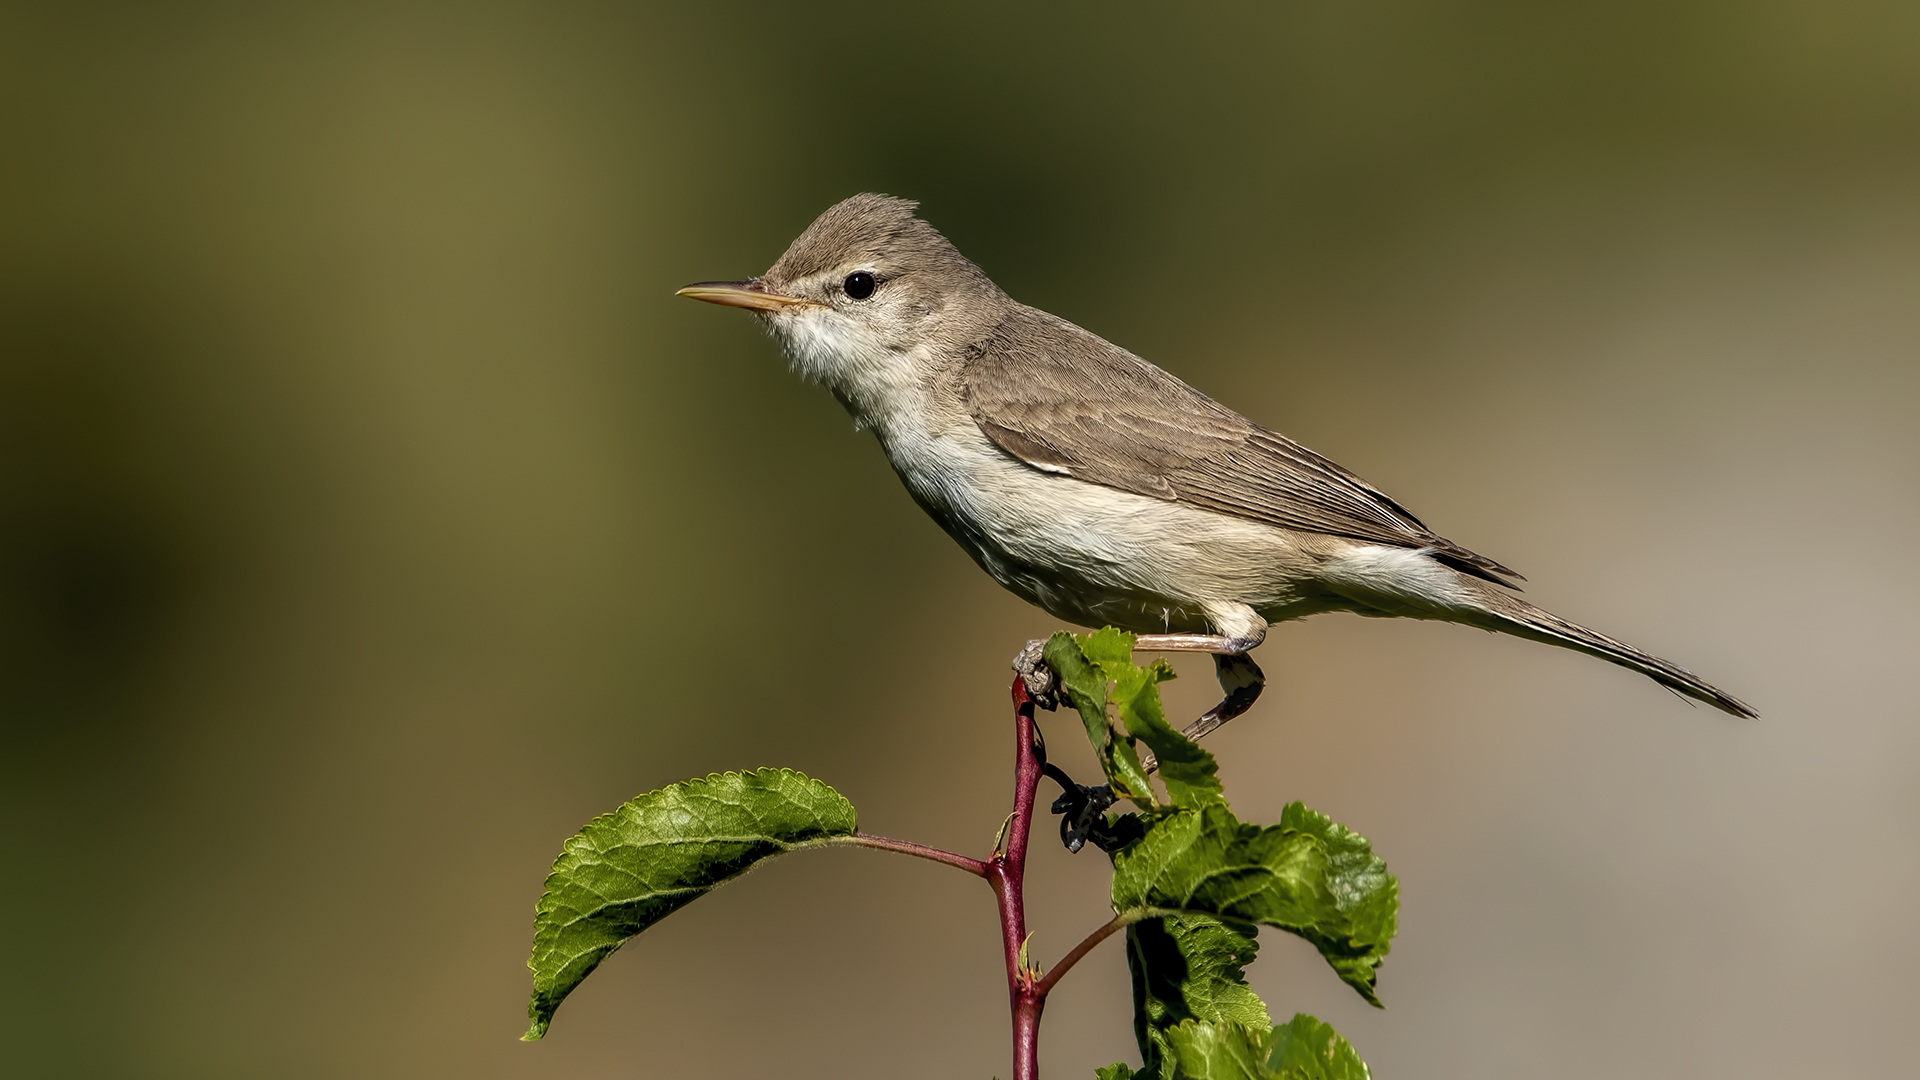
<point x="875" y="382"/>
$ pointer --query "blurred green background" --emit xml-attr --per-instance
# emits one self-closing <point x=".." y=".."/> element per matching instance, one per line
<point x="372" y="515"/>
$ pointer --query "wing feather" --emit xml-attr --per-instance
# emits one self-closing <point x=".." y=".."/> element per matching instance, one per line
<point x="1087" y="419"/>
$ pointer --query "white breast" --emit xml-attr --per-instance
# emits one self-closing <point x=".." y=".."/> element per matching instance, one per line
<point x="1086" y="553"/>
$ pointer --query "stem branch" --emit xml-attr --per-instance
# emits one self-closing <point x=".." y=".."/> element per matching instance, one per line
<point x="1045" y="985"/>
<point x="919" y="851"/>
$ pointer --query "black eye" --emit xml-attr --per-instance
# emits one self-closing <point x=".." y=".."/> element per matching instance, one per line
<point x="859" y="284"/>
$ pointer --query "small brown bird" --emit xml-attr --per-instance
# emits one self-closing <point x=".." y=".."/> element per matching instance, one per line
<point x="1098" y="486"/>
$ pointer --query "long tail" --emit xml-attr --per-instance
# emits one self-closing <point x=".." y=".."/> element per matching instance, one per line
<point x="1509" y="614"/>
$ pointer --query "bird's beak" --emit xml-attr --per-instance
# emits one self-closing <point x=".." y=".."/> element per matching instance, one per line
<point x="753" y="295"/>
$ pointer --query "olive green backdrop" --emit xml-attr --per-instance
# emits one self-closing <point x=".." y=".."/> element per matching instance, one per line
<point x="372" y="514"/>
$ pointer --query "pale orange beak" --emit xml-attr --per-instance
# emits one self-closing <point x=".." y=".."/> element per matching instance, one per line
<point x="752" y="295"/>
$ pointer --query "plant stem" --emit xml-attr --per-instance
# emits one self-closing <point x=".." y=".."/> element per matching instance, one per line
<point x="1006" y="872"/>
<point x="1045" y="986"/>
<point x="919" y="851"/>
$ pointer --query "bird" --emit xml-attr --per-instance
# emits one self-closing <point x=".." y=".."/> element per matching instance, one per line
<point x="1101" y="488"/>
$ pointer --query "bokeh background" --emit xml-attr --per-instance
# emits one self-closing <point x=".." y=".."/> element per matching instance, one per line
<point x="372" y="515"/>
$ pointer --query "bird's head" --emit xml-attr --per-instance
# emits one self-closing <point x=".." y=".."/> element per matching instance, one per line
<point x="868" y="292"/>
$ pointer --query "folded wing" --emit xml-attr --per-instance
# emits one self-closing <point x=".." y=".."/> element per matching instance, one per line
<point x="1111" y="418"/>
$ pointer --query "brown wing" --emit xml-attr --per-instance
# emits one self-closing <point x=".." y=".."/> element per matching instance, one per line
<point x="1110" y="418"/>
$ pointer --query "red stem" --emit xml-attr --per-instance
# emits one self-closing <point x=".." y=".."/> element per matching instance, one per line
<point x="1045" y="986"/>
<point x="1006" y="872"/>
<point x="919" y="851"/>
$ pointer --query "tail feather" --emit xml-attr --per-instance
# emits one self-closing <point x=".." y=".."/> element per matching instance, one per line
<point x="1509" y="614"/>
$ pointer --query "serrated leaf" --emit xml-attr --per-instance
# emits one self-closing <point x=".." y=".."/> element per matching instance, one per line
<point x="659" y="852"/>
<point x="1358" y="879"/>
<point x="1107" y="646"/>
<point x="1189" y="967"/>
<point x="1193" y="967"/>
<point x="1086" y="665"/>
<point x="1301" y="876"/>
<point x="1085" y="685"/>
<point x="1302" y="1049"/>
<point x="1306" y="1049"/>
<point x="1190" y="774"/>
<point x="1200" y="1051"/>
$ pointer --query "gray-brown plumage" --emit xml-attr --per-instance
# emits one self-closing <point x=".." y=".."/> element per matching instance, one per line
<point x="1098" y="486"/>
<point x="1109" y="417"/>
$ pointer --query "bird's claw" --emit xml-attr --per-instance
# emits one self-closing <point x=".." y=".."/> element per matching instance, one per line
<point x="1042" y="685"/>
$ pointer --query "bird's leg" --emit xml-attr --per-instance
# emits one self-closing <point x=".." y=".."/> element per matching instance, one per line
<point x="1083" y="807"/>
<point x="1213" y="643"/>
<point x="1242" y="680"/>
<point x="1239" y="677"/>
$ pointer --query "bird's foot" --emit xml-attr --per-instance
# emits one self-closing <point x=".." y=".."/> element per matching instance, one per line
<point x="1043" y="686"/>
<point x="1241" y="680"/>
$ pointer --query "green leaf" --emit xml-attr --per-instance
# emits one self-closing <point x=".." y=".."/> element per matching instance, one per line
<point x="1306" y="1049"/>
<point x="1189" y="967"/>
<point x="1195" y="1016"/>
<point x="659" y="852"/>
<point x="1085" y="685"/>
<point x="1302" y="1049"/>
<point x="1358" y="879"/>
<point x="1116" y="1071"/>
<point x="1217" y="1052"/>
<point x="1085" y="666"/>
<point x="1193" y="967"/>
<point x="1107" y="647"/>
<point x="1306" y="876"/>
<point x="1189" y="772"/>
